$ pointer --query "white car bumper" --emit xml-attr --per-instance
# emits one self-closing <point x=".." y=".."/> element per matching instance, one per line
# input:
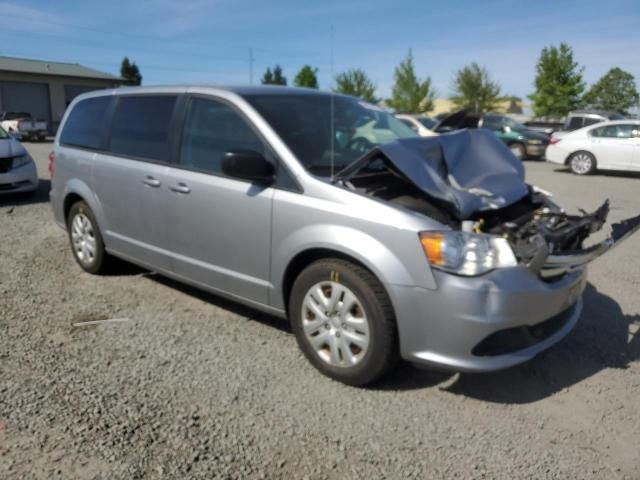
<point x="21" y="179"/>
<point x="555" y="154"/>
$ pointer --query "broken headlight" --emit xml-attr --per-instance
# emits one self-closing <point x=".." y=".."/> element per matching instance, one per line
<point x="467" y="253"/>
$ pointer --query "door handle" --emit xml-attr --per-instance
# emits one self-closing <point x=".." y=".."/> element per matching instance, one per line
<point x="151" y="182"/>
<point x="180" y="188"/>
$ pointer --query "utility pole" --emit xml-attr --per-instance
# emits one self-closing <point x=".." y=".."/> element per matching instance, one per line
<point x="250" y="66"/>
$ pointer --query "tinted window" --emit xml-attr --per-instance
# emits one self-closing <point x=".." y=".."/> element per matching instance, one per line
<point x="470" y="121"/>
<point x="140" y="126"/>
<point x="575" y="123"/>
<point x="409" y="124"/>
<point x="614" y="131"/>
<point x="16" y="115"/>
<point x="590" y="121"/>
<point x="210" y="130"/>
<point x="86" y="123"/>
<point x="427" y="122"/>
<point x="492" y="123"/>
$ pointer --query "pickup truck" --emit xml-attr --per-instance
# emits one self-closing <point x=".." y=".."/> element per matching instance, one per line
<point x="22" y="125"/>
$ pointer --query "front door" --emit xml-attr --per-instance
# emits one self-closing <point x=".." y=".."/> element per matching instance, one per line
<point x="220" y="228"/>
<point x="613" y="146"/>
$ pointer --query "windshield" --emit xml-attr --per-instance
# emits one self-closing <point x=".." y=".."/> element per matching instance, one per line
<point x="3" y="135"/>
<point x="496" y="122"/>
<point x="427" y="122"/>
<point x="304" y="122"/>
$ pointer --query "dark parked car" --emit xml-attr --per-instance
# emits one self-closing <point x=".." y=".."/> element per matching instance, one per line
<point x="544" y="126"/>
<point x="522" y="141"/>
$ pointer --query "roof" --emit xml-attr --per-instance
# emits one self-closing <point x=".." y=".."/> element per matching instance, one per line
<point x="603" y="113"/>
<point x="43" y="67"/>
<point x="276" y="90"/>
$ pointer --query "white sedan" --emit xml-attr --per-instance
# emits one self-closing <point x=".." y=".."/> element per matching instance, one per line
<point x="611" y="145"/>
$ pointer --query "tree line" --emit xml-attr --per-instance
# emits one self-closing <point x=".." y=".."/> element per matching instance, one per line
<point x="558" y="86"/>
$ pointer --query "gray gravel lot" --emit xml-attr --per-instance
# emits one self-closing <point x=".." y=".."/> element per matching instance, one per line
<point x="196" y="387"/>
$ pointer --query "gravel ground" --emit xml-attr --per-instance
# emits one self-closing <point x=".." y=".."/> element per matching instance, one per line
<point x="191" y="386"/>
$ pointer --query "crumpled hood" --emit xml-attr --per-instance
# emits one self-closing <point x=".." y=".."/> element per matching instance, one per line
<point x="10" y="147"/>
<point x="467" y="171"/>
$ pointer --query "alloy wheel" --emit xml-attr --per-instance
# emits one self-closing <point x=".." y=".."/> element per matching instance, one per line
<point x="335" y="324"/>
<point x="83" y="238"/>
<point x="581" y="163"/>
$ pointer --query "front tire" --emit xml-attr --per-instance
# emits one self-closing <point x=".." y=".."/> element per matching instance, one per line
<point x="86" y="241"/>
<point x="582" y="163"/>
<point x="343" y="321"/>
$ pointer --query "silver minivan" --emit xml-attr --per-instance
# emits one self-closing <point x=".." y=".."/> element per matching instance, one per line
<point x="326" y="210"/>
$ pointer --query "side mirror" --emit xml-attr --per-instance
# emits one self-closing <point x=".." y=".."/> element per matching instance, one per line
<point x="248" y="165"/>
<point x="506" y="129"/>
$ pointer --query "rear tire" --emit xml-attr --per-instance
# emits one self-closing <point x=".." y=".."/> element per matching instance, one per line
<point x="86" y="241"/>
<point x="518" y="150"/>
<point x="343" y="321"/>
<point x="582" y="163"/>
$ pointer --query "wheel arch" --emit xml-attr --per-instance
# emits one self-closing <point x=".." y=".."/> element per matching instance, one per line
<point x="76" y="190"/>
<point x="580" y="150"/>
<point x="305" y="258"/>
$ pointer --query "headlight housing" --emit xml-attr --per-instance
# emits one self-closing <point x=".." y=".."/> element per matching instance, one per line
<point x="467" y="253"/>
<point x="20" y="161"/>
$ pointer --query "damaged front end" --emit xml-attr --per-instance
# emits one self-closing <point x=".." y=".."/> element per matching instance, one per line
<point x="471" y="182"/>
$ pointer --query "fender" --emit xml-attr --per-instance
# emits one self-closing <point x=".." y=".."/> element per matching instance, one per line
<point x="369" y="251"/>
<point x="80" y="188"/>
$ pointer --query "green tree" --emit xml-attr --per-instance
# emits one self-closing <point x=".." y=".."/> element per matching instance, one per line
<point x="306" y="77"/>
<point x="474" y="90"/>
<point x="130" y="72"/>
<point x="409" y="94"/>
<point x="356" y="83"/>
<point x="274" y="78"/>
<point x="616" y="91"/>
<point x="558" y="82"/>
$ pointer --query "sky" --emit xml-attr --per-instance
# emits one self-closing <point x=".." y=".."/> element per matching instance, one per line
<point x="200" y="41"/>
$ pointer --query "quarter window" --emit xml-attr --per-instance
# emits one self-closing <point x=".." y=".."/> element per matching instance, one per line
<point x="140" y="126"/>
<point x="591" y="121"/>
<point x="86" y="123"/>
<point x="211" y="129"/>
<point x="575" y="123"/>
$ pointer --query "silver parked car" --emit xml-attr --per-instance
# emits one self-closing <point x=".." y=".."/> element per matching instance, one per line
<point x="18" y="172"/>
<point x="433" y="250"/>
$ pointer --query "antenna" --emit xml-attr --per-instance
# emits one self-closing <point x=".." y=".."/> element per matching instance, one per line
<point x="333" y="133"/>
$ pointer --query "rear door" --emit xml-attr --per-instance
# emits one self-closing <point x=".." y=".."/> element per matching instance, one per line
<point x="613" y="146"/>
<point x="220" y="227"/>
<point x="130" y="178"/>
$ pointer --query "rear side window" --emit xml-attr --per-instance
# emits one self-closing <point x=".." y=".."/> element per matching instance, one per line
<point x="211" y="129"/>
<point x="85" y="126"/>
<point x="575" y="123"/>
<point x="591" y="121"/>
<point x="140" y="126"/>
<point x="614" y="131"/>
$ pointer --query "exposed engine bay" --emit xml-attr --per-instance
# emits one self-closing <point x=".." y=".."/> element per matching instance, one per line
<point x="451" y="180"/>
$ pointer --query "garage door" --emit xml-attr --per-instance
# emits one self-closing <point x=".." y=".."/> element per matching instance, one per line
<point x="26" y="97"/>
<point x="72" y="91"/>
